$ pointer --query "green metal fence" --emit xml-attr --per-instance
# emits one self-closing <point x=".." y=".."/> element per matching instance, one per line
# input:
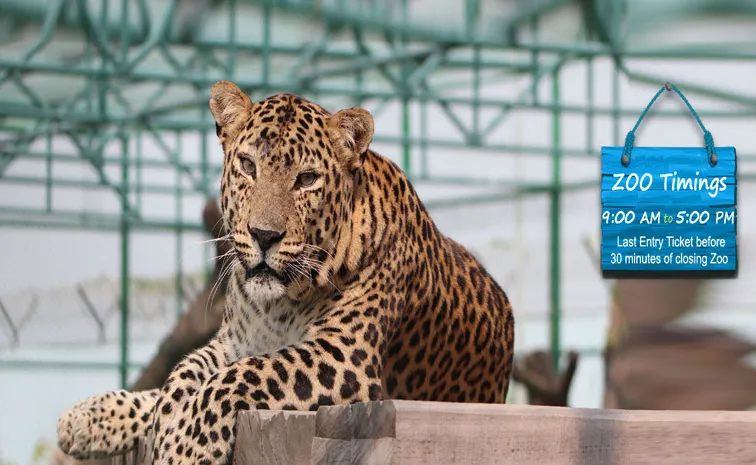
<point x="103" y="76"/>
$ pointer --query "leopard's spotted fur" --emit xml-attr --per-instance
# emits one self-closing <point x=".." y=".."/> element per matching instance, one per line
<point x="342" y="290"/>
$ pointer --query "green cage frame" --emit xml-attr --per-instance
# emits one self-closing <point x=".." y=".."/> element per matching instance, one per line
<point x="384" y="55"/>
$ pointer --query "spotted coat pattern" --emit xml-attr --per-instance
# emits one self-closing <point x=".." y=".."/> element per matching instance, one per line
<point x="341" y="290"/>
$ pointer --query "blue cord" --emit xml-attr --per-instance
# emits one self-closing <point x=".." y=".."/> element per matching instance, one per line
<point x="630" y="138"/>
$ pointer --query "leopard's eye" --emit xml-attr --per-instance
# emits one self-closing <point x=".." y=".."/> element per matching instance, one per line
<point x="248" y="166"/>
<point x="306" y="179"/>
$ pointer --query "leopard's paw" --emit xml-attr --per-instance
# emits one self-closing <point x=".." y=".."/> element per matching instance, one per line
<point x="104" y="425"/>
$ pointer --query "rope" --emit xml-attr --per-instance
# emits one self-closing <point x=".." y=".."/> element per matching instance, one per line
<point x="630" y="138"/>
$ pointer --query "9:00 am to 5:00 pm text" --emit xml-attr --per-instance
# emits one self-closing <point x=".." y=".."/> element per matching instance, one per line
<point x="624" y="216"/>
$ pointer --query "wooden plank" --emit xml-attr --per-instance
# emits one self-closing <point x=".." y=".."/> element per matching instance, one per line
<point x="128" y="458"/>
<point x="144" y="451"/>
<point x="361" y="433"/>
<point x="447" y="433"/>
<point x="274" y="437"/>
<point x="419" y="433"/>
<point x="265" y="438"/>
<point x="137" y="456"/>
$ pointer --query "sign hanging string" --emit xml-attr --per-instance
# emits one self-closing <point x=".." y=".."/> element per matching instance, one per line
<point x="630" y="138"/>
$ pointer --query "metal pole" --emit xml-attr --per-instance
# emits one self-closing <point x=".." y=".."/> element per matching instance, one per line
<point x="555" y="252"/>
<point x="179" y="232"/>
<point x="616" y="104"/>
<point x="406" y="131"/>
<point x="205" y="166"/>
<point x="125" y="219"/>
<point x="125" y="282"/>
<point x="423" y="138"/>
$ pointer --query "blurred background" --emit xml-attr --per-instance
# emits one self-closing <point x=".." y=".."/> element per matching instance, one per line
<point x="497" y="110"/>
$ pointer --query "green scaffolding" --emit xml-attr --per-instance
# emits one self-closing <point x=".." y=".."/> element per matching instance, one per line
<point x="138" y="69"/>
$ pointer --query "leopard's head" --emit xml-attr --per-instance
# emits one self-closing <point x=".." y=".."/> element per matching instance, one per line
<point x="287" y="192"/>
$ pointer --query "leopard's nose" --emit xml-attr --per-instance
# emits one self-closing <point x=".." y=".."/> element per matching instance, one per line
<point x="266" y="238"/>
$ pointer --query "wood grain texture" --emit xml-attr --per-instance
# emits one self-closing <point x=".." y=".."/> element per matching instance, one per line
<point x="358" y="433"/>
<point x="524" y="435"/>
<point x="415" y="433"/>
<point x="274" y="437"/>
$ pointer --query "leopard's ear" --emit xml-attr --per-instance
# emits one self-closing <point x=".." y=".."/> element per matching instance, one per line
<point x="352" y="131"/>
<point x="230" y="107"/>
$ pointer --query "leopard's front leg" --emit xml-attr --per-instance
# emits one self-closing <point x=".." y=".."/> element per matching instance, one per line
<point x="339" y="363"/>
<point x="180" y="389"/>
<point x="111" y="423"/>
<point x="106" y="424"/>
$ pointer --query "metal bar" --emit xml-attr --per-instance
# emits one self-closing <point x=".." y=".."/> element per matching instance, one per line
<point x="498" y="197"/>
<point x="472" y="10"/>
<point x="48" y="173"/>
<point x="369" y="61"/>
<point x="36" y="101"/>
<point x="205" y="170"/>
<point x="616" y="104"/>
<point x="406" y="115"/>
<point x="344" y="15"/>
<point x="232" y="41"/>
<point x="584" y="50"/>
<point x="113" y="225"/>
<point x="94" y="30"/>
<point x="36" y="11"/>
<point x="310" y="52"/>
<point x="155" y="37"/>
<point x="424" y="139"/>
<point x="431" y="63"/>
<point x="75" y="183"/>
<point x="534" y="101"/>
<point x="92" y="311"/>
<point x="426" y="92"/>
<point x="485" y="182"/>
<point x="140" y="163"/>
<point x="21" y="143"/>
<point x="536" y="10"/>
<point x="476" y="97"/>
<point x="555" y="236"/>
<point x="380" y="67"/>
<point x="179" y="237"/>
<point x="590" y="91"/>
<point x="13" y="109"/>
<point x="172" y="156"/>
<point x="266" y="47"/>
<point x="52" y="17"/>
<point x="689" y="87"/>
<point x="110" y="160"/>
<point x="125" y="233"/>
<point x="402" y="28"/>
<point x="183" y="77"/>
<point x="93" y="159"/>
<point x="534" y="57"/>
<point x="11" y="325"/>
<point x="125" y="36"/>
<point x="63" y="365"/>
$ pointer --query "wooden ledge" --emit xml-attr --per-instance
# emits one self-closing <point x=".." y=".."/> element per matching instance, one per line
<point x="414" y="433"/>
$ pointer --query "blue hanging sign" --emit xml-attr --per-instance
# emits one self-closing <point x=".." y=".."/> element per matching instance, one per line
<point x="668" y="211"/>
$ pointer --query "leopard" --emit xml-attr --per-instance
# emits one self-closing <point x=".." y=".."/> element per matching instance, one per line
<point x="342" y="290"/>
